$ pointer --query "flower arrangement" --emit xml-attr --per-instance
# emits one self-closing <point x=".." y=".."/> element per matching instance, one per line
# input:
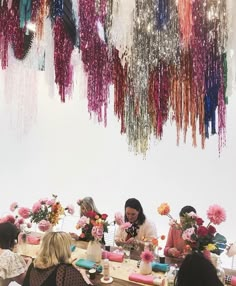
<point x="147" y="256"/>
<point x="197" y="236"/>
<point x="45" y="212"/>
<point x="93" y="226"/>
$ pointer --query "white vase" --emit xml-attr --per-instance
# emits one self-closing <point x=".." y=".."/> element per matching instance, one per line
<point x="94" y="251"/>
<point x="145" y="267"/>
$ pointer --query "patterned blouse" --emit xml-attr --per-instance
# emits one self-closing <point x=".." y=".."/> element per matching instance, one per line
<point x="11" y="265"/>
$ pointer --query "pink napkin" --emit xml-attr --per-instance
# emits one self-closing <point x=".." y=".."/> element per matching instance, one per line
<point x="33" y="239"/>
<point x="112" y="256"/>
<point x="147" y="279"/>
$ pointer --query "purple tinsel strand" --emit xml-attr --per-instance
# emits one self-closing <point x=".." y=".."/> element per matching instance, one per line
<point x="95" y="57"/>
<point x="198" y="47"/>
<point x="63" y="48"/>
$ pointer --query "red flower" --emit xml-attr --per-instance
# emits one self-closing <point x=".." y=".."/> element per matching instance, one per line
<point x="202" y="231"/>
<point x="199" y="221"/>
<point x="91" y="214"/>
<point x="211" y="229"/>
<point x="104" y="216"/>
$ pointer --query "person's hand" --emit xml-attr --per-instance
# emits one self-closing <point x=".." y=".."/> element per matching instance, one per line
<point x="131" y="240"/>
<point x="174" y="252"/>
<point x="28" y="260"/>
<point x="74" y="235"/>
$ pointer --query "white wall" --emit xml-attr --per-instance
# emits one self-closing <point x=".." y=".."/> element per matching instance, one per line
<point x="65" y="152"/>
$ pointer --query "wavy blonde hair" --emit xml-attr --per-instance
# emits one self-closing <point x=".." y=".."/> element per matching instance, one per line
<point x="55" y="249"/>
<point x="87" y="204"/>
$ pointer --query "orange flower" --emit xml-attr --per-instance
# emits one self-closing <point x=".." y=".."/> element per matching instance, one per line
<point x="163" y="209"/>
<point x="154" y="241"/>
<point x="162" y="237"/>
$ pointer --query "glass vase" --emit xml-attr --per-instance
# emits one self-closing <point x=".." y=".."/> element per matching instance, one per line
<point x="94" y="251"/>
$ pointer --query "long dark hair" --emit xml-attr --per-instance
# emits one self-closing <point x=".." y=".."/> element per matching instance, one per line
<point x="8" y="235"/>
<point x="196" y="270"/>
<point x="135" y="204"/>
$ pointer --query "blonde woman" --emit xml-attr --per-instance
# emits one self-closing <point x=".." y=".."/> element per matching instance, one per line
<point x="53" y="266"/>
<point x="86" y="205"/>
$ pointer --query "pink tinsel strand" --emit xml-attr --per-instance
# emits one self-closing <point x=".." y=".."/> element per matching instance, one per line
<point x="63" y="48"/>
<point x="95" y="57"/>
<point x="185" y="21"/>
<point x="5" y="21"/>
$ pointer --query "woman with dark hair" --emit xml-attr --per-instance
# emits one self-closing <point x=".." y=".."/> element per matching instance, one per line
<point x="196" y="270"/>
<point x="140" y="230"/>
<point x="13" y="267"/>
<point x="175" y="244"/>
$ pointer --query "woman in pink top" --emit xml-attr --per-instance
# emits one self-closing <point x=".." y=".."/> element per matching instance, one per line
<point x="175" y="243"/>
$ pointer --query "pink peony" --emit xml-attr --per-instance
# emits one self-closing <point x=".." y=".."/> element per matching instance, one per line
<point x="24" y="212"/>
<point x="11" y="218"/>
<point x="36" y="207"/>
<point x="119" y="218"/>
<point x="13" y="206"/>
<point x="44" y="225"/>
<point x="125" y="225"/>
<point x="216" y="214"/>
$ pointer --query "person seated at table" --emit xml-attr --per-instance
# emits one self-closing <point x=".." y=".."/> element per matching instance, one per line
<point x="175" y="244"/>
<point x="196" y="270"/>
<point x="86" y="205"/>
<point x="140" y="230"/>
<point x="13" y="267"/>
<point x="53" y="265"/>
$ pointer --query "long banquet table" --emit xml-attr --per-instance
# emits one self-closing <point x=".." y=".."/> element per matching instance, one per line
<point x="118" y="271"/>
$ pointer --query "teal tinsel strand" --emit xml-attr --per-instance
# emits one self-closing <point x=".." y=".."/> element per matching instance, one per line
<point x="25" y="12"/>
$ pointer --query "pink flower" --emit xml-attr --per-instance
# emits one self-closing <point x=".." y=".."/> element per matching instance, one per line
<point x="119" y="218"/>
<point x="36" y="207"/>
<point x="187" y="234"/>
<point x="51" y="202"/>
<point x="43" y="201"/>
<point x="24" y="212"/>
<point x="29" y="224"/>
<point x="70" y="209"/>
<point x="13" y="206"/>
<point x="147" y="256"/>
<point x="216" y="214"/>
<point x="11" y="218"/>
<point x="82" y="222"/>
<point x="97" y="232"/>
<point x="125" y="225"/>
<point x="44" y="225"/>
<point x="19" y="221"/>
